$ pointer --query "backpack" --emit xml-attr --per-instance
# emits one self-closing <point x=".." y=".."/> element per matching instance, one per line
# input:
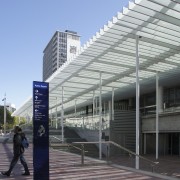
<point x="25" y="142"/>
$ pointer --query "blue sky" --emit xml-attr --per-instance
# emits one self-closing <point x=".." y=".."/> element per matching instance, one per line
<point x="27" y="26"/>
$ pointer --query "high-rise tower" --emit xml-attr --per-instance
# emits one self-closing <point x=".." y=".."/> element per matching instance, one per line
<point x="61" y="48"/>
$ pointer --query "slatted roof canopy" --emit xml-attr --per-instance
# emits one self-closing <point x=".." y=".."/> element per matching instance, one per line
<point x="112" y="51"/>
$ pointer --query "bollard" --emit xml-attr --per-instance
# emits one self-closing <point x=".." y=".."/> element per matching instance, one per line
<point x="82" y="154"/>
<point x="107" y="154"/>
<point x="152" y="168"/>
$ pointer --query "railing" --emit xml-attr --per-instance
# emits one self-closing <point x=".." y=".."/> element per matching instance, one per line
<point x="70" y="145"/>
<point x="89" y="122"/>
<point x="151" y="110"/>
<point x="152" y="163"/>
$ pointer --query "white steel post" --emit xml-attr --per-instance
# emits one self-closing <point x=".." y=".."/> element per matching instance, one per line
<point x="100" y="116"/>
<point x="62" y="115"/>
<point x="58" y="58"/>
<point x="75" y="120"/>
<point x="56" y="115"/>
<point x="93" y="126"/>
<point x="75" y="108"/>
<point x="137" y="101"/>
<point x="112" y="116"/>
<point x="157" y="114"/>
<point x="96" y="105"/>
<point x="93" y="103"/>
<point x="4" y="113"/>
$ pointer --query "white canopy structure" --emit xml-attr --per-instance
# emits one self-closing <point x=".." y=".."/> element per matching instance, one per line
<point x="112" y="51"/>
<point x="131" y="49"/>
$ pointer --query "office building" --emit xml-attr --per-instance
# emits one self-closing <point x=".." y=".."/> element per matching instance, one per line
<point x="61" y="48"/>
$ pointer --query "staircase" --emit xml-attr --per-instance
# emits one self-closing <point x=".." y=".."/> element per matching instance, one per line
<point x="71" y="136"/>
<point x="123" y="131"/>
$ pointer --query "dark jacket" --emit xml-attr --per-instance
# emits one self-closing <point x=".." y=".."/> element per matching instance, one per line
<point x="17" y="147"/>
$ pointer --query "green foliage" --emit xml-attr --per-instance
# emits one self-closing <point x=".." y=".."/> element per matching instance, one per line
<point x="23" y="121"/>
<point x="10" y="121"/>
<point x="20" y="121"/>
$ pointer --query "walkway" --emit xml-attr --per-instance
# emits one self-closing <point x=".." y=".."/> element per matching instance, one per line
<point x="67" y="166"/>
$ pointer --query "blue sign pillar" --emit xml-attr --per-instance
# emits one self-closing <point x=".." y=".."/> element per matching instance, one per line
<point x="41" y="130"/>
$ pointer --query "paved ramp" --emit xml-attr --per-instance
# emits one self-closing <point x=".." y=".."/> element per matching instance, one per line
<point x="67" y="166"/>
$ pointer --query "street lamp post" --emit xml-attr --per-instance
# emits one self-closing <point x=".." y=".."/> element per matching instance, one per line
<point x="4" y="99"/>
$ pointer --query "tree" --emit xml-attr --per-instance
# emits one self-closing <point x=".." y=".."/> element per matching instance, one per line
<point x="9" y="119"/>
<point x="22" y="120"/>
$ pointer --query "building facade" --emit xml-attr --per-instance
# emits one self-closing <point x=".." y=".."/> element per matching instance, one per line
<point x="125" y="80"/>
<point x="121" y="127"/>
<point x="61" y="48"/>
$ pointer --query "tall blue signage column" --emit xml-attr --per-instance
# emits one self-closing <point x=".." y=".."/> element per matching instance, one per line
<point x="41" y="130"/>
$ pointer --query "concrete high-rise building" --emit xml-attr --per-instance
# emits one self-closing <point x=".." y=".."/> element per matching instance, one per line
<point x="62" y="47"/>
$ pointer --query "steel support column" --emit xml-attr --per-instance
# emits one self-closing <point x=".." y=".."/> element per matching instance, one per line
<point x="62" y="115"/>
<point x="56" y="115"/>
<point x="93" y="110"/>
<point x="137" y="101"/>
<point x="93" y="103"/>
<point x="157" y="115"/>
<point x="100" y="116"/>
<point x="112" y="110"/>
<point x="4" y="99"/>
<point x="96" y="105"/>
<point x="75" y="109"/>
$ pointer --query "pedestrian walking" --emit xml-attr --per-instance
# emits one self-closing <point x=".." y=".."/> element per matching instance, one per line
<point x="18" y="151"/>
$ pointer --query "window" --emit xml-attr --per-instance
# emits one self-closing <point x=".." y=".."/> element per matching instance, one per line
<point x="73" y="49"/>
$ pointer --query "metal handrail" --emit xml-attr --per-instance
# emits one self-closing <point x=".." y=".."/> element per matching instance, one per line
<point x="133" y="153"/>
<point x="70" y="145"/>
<point x="153" y="164"/>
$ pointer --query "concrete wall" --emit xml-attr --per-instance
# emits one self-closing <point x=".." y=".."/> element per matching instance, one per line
<point x="168" y="122"/>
